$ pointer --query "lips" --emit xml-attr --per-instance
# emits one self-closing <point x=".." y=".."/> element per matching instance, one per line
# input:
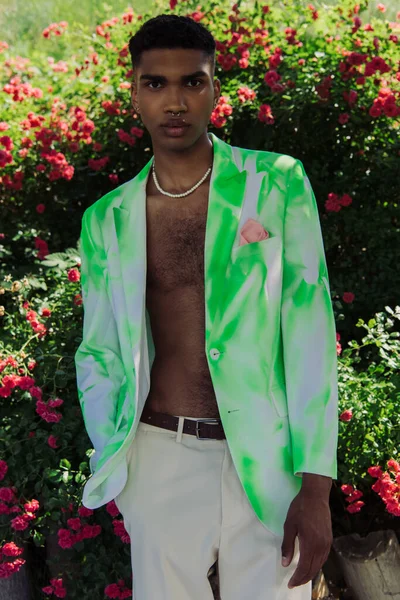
<point x="175" y="126"/>
<point x="175" y="123"/>
<point x="176" y="131"/>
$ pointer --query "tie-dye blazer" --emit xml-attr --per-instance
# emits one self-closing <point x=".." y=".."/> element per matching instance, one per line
<point x="270" y="337"/>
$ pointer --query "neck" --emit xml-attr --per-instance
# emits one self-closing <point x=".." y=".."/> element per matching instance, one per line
<point x="179" y="170"/>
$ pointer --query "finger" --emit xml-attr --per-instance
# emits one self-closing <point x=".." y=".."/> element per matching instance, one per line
<point x="287" y="548"/>
<point x="325" y="558"/>
<point x="317" y="560"/>
<point x="311" y="573"/>
<point x="304" y="564"/>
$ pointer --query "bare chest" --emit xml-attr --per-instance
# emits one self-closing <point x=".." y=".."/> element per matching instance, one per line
<point x="175" y="242"/>
<point x="180" y="378"/>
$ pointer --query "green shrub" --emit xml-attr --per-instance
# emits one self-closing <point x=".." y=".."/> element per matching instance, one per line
<point x="320" y="86"/>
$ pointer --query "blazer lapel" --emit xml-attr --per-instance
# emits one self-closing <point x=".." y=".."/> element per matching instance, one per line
<point x="227" y="188"/>
<point x="130" y="231"/>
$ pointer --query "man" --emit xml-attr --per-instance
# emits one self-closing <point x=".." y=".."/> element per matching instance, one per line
<point x="207" y="372"/>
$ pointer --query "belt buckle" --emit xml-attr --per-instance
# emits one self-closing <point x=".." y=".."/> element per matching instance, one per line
<point x="205" y="420"/>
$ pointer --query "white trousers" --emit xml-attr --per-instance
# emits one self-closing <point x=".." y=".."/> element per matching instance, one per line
<point x="184" y="508"/>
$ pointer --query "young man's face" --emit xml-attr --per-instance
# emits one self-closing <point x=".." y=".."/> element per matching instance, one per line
<point x="166" y="82"/>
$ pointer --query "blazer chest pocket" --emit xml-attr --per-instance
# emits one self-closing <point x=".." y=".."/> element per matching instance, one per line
<point x="279" y="400"/>
<point x="255" y="257"/>
<point x="254" y="249"/>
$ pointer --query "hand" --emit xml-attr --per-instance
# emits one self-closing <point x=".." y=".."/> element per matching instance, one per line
<point x="309" y="517"/>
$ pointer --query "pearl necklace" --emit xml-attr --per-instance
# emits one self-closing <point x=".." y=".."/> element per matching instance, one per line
<point x="184" y="193"/>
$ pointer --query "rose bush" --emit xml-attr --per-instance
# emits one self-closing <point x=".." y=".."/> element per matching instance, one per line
<point x="287" y="72"/>
<point x="323" y="88"/>
<point x="369" y="432"/>
<point x="43" y="444"/>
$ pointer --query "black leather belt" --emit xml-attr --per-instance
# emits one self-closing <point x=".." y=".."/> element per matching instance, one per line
<point x="202" y="428"/>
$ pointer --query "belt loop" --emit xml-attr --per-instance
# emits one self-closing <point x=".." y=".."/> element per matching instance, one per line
<point x="180" y="429"/>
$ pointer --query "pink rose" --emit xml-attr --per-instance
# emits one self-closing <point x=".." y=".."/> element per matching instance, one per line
<point x="252" y="231"/>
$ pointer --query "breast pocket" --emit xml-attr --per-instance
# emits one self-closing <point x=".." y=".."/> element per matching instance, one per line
<point x="253" y="249"/>
<point x="256" y="258"/>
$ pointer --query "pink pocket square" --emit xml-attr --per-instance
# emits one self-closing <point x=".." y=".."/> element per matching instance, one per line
<point x="252" y="231"/>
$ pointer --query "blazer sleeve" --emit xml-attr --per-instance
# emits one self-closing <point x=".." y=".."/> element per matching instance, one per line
<point x="308" y="334"/>
<point x="98" y="363"/>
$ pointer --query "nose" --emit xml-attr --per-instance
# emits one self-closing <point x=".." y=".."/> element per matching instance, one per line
<point x="175" y="108"/>
<point x="175" y="101"/>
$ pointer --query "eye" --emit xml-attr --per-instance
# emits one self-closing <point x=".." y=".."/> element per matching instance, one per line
<point x="199" y="81"/>
<point x="151" y="83"/>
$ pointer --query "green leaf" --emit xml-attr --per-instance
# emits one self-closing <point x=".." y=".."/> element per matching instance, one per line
<point x="50" y="472"/>
<point x="35" y="283"/>
<point x="65" y="463"/>
<point x="38" y="539"/>
<point x="54" y="475"/>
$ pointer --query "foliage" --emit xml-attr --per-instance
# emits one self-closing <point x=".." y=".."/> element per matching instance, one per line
<point x="289" y="69"/>
<point x="322" y="87"/>
<point x="369" y="430"/>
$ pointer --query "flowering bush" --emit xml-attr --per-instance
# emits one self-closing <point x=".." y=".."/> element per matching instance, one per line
<point x="369" y="433"/>
<point x="43" y="442"/>
<point x="68" y="135"/>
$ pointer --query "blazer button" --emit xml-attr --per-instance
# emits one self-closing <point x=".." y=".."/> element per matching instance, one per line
<point x="214" y="353"/>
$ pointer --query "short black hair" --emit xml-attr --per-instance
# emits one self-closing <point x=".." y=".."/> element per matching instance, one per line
<point x="172" y="31"/>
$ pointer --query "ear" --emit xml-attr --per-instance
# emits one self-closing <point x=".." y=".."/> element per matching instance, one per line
<point x="217" y="89"/>
<point x="134" y="96"/>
